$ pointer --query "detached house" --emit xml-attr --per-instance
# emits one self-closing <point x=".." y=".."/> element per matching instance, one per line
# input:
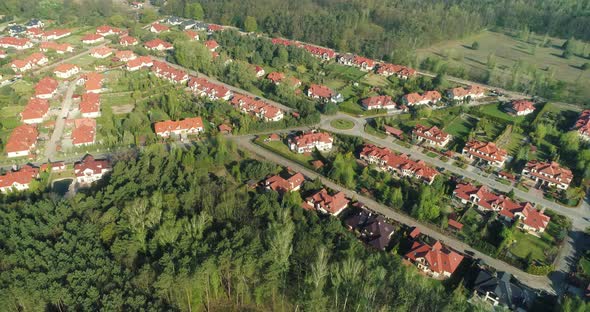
<point x="379" y="102"/>
<point x="276" y="77"/>
<point x="92" y="39"/>
<point x="84" y="132"/>
<point x="372" y="228"/>
<point x="548" y="174"/>
<point x="139" y="63"/>
<point x="429" y="97"/>
<point x="90" y="170"/>
<point x="363" y="63"/>
<point x="18" y="180"/>
<point x="93" y="82"/>
<point x="106" y="30"/>
<point x="256" y="107"/>
<point x="46" y="88"/>
<point x="187" y="126"/>
<point x="323" y="93"/>
<point x="159" y="28"/>
<point x="499" y="290"/>
<point x="212" y="45"/>
<point x="583" y="125"/>
<point x="59" y="48"/>
<point x="90" y="105"/>
<point x="431" y="135"/>
<point x="307" y="142"/>
<point x="66" y="71"/>
<point x="55" y="34"/>
<point x="158" y="45"/>
<point x="521" y="107"/>
<point x="21" y="141"/>
<point x="282" y="185"/>
<point x="326" y="203"/>
<point x="460" y="93"/>
<point x="128" y="41"/>
<point x="35" y="111"/>
<point x="437" y="260"/>
<point x="15" y="43"/>
<point x="172" y="74"/>
<point x="125" y="55"/>
<point x="101" y="52"/>
<point x="34" y="23"/>
<point x="192" y="35"/>
<point x="487" y="152"/>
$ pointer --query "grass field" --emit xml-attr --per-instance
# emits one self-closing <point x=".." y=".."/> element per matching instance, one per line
<point x="342" y="124"/>
<point x="459" y="127"/>
<point x="281" y="148"/>
<point x="375" y="80"/>
<point x="508" y="51"/>
<point x="496" y="110"/>
<point x="526" y="243"/>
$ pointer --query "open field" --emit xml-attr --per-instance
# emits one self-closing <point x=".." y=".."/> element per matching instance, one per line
<point x="508" y="51"/>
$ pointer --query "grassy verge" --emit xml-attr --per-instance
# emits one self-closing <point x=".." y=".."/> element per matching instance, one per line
<point x="342" y="124"/>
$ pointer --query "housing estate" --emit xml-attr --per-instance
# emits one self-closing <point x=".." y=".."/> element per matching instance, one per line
<point x="548" y="174"/>
<point x="325" y="203"/>
<point x="431" y="135"/>
<point x="188" y="126"/>
<point x="487" y="152"/>
<point x="307" y="142"/>
<point x="90" y="170"/>
<point x="437" y="260"/>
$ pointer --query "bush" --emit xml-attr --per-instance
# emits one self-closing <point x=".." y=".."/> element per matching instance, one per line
<point x="539" y="269"/>
<point x="475" y="45"/>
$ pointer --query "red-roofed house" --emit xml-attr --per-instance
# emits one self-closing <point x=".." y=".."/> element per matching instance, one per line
<point x="90" y="105"/>
<point x="128" y="41"/>
<point x="21" y="66"/>
<point x="307" y="142"/>
<point x="459" y="93"/>
<point x="35" y="111"/>
<point x="101" y="52"/>
<point x="203" y="87"/>
<point x="90" y="170"/>
<point x="59" y="48"/>
<point x="214" y="27"/>
<point x="84" y="132"/>
<point x="259" y="71"/>
<point x="379" y="102"/>
<point x="363" y="63"/>
<point x="34" y="33"/>
<point x="212" y="45"/>
<point x="106" y="30"/>
<point x="316" y="91"/>
<point x="521" y="107"/>
<point x="455" y="224"/>
<point x="533" y="221"/>
<point x="256" y="107"/>
<point x="281" y="185"/>
<point x="320" y="52"/>
<point x="92" y="39"/>
<point x="583" y="125"/>
<point x="548" y="174"/>
<point x="55" y="34"/>
<point x="18" y="180"/>
<point x="402" y="72"/>
<point x="46" y="88"/>
<point x="15" y="43"/>
<point x="399" y="165"/>
<point x="172" y="74"/>
<point x="437" y="260"/>
<point x="3" y="54"/>
<point x="326" y="203"/>
<point x="276" y="77"/>
<point x="394" y="131"/>
<point x="93" y="82"/>
<point x="187" y="126"/>
<point x="139" y="63"/>
<point x="125" y="55"/>
<point x="32" y="61"/>
<point x="158" y="45"/>
<point x="417" y="99"/>
<point x="159" y="28"/>
<point x="485" y="151"/>
<point x="191" y="34"/>
<point x="21" y="141"/>
<point x="66" y="71"/>
<point x="431" y="135"/>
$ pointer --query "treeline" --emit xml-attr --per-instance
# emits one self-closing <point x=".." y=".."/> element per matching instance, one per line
<point x="390" y="29"/>
<point x="164" y="233"/>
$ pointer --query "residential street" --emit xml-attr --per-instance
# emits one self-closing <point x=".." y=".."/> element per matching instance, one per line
<point x="538" y="282"/>
<point x="54" y="141"/>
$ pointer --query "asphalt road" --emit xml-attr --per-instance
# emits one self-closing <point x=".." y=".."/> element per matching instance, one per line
<point x="51" y="146"/>
<point x="537" y="282"/>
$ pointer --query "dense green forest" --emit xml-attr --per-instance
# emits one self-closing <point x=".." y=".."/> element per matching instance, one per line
<point x="393" y="28"/>
<point x="179" y="230"/>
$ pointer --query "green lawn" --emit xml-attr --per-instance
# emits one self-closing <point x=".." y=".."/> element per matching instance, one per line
<point x="515" y="143"/>
<point x="375" y="80"/>
<point x="460" y="127"/>
<point x="342" y="124"/>
<point x="351" y="107"/>
<point x="282" y="149"/>
<point x="496" y="110"/>
<point x="526" y="243"/>
<point x="84" y="60"/>
<point x="585" y="264"/>
<point x="344" y="72"/>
